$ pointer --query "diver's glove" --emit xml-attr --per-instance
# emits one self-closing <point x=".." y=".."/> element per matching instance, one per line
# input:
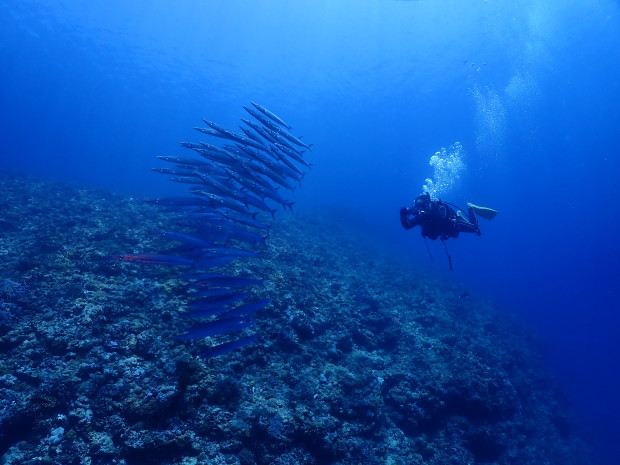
<point x="404" y="220"/>
<point x="403" y="216"/>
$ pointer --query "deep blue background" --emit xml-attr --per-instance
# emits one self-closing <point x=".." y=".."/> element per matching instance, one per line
<point x="91" y="92"/>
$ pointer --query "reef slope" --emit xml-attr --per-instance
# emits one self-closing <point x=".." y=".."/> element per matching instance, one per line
<point x="362" y="358"/>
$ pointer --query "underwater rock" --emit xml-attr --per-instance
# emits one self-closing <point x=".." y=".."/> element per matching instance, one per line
<point x="386" y="367"/>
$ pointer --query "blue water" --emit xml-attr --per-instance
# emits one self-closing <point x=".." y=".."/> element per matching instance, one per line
<point x="91" y="92"/>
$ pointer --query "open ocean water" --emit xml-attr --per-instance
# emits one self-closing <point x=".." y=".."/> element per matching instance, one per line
<point x="371" y="348"/>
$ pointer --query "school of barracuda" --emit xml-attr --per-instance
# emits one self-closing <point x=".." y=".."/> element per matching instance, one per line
<point x="233" y="188"/>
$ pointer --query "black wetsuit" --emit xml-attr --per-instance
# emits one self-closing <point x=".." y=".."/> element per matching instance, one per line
<point x="438" y="219"/>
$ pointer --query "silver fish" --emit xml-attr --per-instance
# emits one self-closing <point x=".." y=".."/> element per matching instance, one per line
<point x="270" y="115"/>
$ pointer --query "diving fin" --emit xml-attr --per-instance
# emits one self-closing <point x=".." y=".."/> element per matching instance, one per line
<point x="483" y="212"/>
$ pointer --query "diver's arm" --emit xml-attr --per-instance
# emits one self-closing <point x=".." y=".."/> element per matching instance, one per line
<point x="407" y="217"/>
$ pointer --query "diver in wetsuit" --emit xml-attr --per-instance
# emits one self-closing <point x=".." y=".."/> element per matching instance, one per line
<point x="439" y="219"/>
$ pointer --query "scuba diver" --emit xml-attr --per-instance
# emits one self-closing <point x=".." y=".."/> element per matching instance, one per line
<point x="440" y="220"/>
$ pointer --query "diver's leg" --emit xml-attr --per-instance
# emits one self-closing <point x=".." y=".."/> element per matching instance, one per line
<point x="469" y="226"/>
<point x="473" y="220"/>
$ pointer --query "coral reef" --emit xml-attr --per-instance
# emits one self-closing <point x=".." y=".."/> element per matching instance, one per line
<point x="363" y="358"/>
